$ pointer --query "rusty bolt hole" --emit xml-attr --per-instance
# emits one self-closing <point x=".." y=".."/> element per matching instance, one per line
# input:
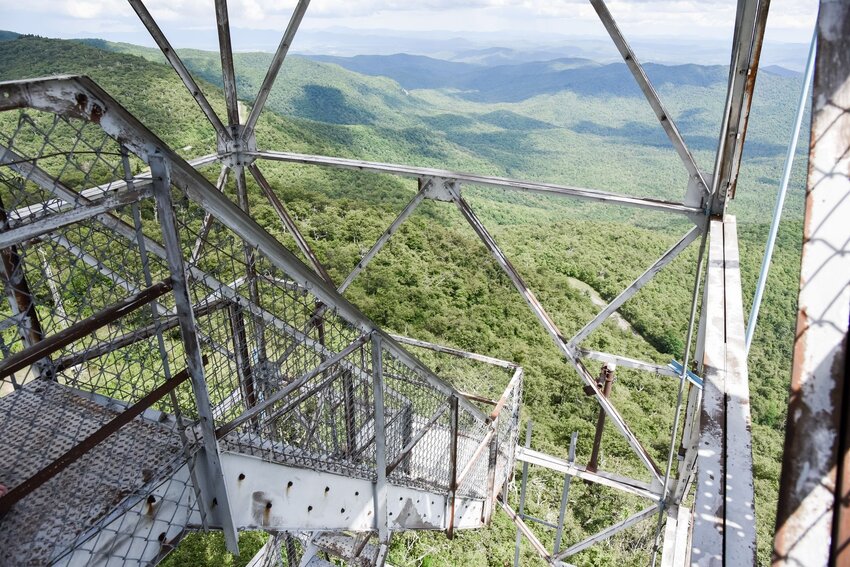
<point x="268" y="505"/>
<point x="241" y="476"/>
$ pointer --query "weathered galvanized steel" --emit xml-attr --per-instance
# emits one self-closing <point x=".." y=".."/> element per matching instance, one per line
<point x="813" y="521"/>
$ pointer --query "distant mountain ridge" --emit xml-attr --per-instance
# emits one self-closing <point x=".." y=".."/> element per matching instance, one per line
<point x="519" y="81"/>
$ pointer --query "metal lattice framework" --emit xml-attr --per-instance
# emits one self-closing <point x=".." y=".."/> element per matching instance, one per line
<point x="153" y="329"/>
<point x="207" y="362"/>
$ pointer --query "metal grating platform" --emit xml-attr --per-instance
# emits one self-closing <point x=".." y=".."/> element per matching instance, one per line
<point x="40" y="422"/>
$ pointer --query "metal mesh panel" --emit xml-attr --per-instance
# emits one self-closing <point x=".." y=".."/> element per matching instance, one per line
<point x="61" y="281"/>
<point x="410" y="404"/>
<point x="97" y="337"/>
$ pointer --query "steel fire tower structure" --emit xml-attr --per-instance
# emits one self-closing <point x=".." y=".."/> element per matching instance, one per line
<point x="168" y="365"/>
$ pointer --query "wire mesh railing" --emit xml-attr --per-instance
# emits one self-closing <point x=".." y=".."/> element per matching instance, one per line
<point x="146" y="317"/>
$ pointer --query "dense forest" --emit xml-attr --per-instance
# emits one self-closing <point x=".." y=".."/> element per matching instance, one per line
<point x="572" y="122"/>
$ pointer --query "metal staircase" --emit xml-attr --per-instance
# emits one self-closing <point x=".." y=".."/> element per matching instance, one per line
<point x="169" y="366"/>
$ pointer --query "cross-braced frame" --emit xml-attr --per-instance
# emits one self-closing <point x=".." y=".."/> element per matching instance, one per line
<point x="307" y="369"/>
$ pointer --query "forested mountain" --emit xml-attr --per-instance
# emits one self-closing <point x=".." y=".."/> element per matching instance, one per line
<point x="571" y="121"/>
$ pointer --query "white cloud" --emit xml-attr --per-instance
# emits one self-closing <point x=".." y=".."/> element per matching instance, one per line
<point x="638" y="18"/>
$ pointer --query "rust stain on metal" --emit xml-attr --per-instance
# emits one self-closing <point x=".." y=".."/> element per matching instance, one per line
<point x="82" y="101"/>
<point x="813" y="516"/>
<point x="97" y="113"/>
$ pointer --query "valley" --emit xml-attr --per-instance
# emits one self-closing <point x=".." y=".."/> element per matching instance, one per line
<point x="570" y="121"/>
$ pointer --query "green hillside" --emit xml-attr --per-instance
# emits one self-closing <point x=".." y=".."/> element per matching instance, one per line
<point x="435" y="281"/>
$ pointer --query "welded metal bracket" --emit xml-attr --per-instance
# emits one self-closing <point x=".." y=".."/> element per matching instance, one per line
<point x="239" y="149"/>
<point x="441" y="189"/>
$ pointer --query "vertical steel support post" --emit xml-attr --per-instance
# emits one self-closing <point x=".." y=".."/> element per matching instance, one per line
<point x="380" y="440"/>
<point x="244" y="370"/>
<point x="160" y="340"/>
<point x="18" y="292"/>
<point x="732" y="322"/>
<point x="522" y="488"/>
<point x="406" y="434"/>
<point x="490" y="501"/>
<point x="606" y="377"/>
<point x="250" y="265"/>
<point x="814" y="492"/>
<point x="453" y="432"/>
<point x="565" y="494"/>
<point x="214" y="488"/>
<point x="291" y="552"/>
<point x="349" y="414"/>
<point x="228" y="75"/>
<point x="750" y="24"/>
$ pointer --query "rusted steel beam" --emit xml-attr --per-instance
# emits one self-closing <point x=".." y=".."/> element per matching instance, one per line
<point x="473" y="460"/>
<point x="73" y="454"/>
<point x="813" y="517"/>
<point x="453" y="482"/>
<point x="480" y="399"/>
<point x="250" y="263"/>
<point x="82" y="328"/>
<point x="746" y="49"/>
<point x="244" y="370"/>
<point x="131" y="337"/>
<point x="606" y="377"/>
<point x="724" y="530"/>
<point x="503" y="399"/>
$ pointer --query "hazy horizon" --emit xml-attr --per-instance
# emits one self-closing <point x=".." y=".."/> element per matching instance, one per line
<point x="701" y="32"/>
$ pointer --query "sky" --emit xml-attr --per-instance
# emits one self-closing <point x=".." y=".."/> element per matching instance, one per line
<point x="190" y="23"/>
